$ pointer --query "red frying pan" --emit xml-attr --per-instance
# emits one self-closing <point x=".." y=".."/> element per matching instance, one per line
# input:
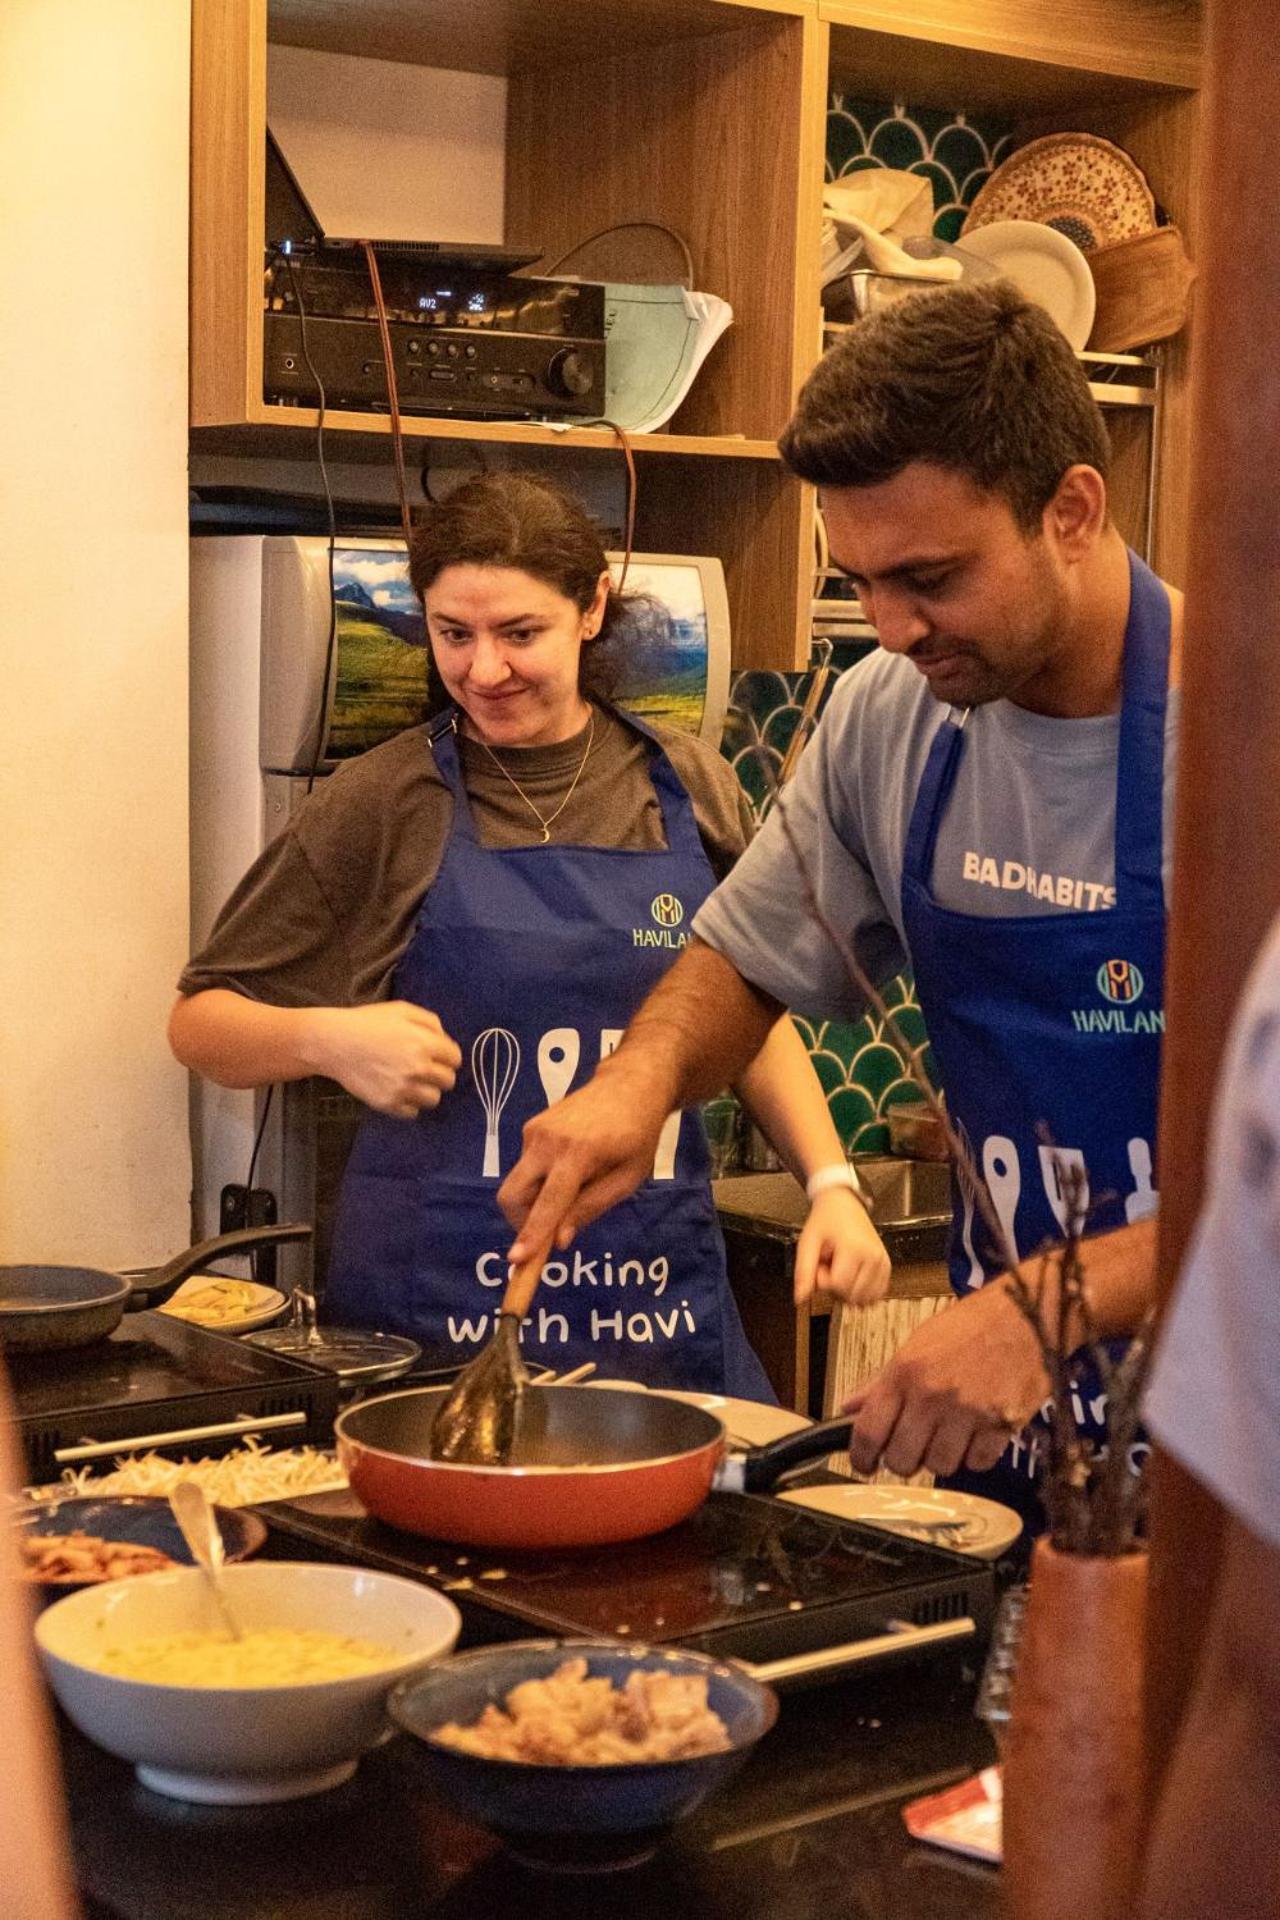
<point x="589" y="1467"/>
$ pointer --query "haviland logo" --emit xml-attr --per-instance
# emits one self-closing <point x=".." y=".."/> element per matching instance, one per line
<point x="1120" y="982"/>
<point x="668" y="912"/>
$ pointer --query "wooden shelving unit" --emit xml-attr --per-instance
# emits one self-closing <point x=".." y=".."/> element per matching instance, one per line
<point x="708" y="115"/>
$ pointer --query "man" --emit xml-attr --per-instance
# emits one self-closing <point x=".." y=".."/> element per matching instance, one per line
<point x="985" y="799"/>
<point x="1214" y="1403"/>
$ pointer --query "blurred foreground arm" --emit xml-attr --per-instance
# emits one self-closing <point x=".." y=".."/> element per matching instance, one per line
<point x="35" y="1882"/>
<point x="1215" y="1849"/>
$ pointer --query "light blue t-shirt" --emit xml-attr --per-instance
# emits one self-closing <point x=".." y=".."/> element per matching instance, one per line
<point x="1214" y="1399"/>
<point x="1029" y="829"/>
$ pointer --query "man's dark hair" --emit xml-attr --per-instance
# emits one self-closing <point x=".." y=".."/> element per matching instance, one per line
<point x="974" y="378"/>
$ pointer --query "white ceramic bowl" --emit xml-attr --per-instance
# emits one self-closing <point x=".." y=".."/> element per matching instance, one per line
<point x="226" y="1745"/>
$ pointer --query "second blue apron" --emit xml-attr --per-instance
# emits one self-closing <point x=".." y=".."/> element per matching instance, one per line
<point x="535" y="958"/>
<point x="1047" y="1029"/>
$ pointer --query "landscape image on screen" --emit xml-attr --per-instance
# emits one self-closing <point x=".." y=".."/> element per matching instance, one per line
<point x="380" y="686"/>
<point x="662" y="646"/>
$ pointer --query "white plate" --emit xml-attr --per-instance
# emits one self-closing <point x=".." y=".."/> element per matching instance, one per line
<point x="261" y="1304"/>
<point x="749" y="1421"/>
<point x="960" y="1521"/>
<point x="1046" y="266"/>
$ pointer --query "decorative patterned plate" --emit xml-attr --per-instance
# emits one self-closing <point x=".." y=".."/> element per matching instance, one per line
<point x="1085" y="187"/>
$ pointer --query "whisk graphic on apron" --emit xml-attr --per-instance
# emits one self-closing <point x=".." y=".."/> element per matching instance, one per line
<point x="495" y="1062"/>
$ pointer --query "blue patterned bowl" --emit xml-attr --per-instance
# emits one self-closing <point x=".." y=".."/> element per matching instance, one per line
<point x="580" y="1819"/>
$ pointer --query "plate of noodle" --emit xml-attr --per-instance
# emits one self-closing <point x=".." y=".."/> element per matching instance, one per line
<point x="225" y="1304"/>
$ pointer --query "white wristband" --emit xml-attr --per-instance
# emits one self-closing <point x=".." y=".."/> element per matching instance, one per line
<point x="839" y="1174"/>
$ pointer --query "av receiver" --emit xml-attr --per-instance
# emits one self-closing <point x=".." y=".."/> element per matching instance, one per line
<point x="466" y="338"/>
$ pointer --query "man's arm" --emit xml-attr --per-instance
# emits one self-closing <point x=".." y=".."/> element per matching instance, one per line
<point x="1214" y="1850"/>
<point x="969" y="1377"/>
<point x="693" y="1035"/>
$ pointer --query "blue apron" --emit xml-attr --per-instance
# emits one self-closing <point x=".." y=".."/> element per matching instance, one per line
<point x="535" y="958"/>
<point x="1049" y="1027"/>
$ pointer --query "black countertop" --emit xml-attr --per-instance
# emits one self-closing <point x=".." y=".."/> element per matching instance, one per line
<point x="810" y="1830"/>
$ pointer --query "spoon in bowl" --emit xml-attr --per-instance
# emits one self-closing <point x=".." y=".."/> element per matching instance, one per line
<point x="199" y="1527"/>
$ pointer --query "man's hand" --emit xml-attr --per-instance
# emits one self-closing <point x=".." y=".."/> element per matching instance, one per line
<point x="394" y="1056"/>
<point x="586" y="1153"/>
<point x="954" y="1393"/>
<point x="839" y="1252"/>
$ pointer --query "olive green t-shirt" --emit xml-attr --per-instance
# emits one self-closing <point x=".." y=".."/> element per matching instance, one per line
<point x="325" y="912"/>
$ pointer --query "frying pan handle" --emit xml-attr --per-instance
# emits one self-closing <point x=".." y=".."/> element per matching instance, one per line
<point x="155" y="1286"/>
<point x="762" y="1467"/>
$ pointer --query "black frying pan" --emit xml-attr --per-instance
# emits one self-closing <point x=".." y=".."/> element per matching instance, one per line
<point x="43" y="1309"/>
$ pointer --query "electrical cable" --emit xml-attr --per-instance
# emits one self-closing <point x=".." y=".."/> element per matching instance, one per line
<point x="393" y="392"/>
<point x="621" y="226"/>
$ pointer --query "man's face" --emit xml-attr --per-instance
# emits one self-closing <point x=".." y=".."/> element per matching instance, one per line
<point x="948" y="577"/>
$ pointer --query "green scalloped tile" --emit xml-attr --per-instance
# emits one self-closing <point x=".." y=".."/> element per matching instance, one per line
<point x="876" y="1067"/>
<point x="852" y="1108"/>
<point x="832" y="1072"/>
<point x="956" y="153"/>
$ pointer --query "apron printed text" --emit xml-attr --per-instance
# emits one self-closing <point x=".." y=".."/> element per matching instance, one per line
<point x="547" y="1328"/>
<point x="1056" y="889"/>
<point x="598" y="1271"/>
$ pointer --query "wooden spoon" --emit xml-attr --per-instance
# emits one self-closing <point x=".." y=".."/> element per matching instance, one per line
<point x="476" y="1422"/>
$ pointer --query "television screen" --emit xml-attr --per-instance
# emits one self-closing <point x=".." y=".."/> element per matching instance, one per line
<point x="672" y="650"/>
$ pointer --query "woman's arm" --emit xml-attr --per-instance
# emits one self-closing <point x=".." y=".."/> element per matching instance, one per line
<point x="839" y="1250"/>
<point x="394" y="1056"/>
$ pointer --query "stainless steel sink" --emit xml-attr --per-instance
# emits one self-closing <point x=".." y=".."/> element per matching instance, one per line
<point x="905" y="1191"/>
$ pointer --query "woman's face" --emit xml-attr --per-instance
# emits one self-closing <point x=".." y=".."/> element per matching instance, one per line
<point x="506" y="646"/>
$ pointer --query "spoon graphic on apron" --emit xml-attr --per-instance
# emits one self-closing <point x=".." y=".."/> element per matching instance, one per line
<point x="1003" y="1176"/>
<point x="558" y="1054"/>
<point x="495" y="1062"/>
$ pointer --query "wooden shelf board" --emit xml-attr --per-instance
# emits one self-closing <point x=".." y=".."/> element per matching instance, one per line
<point x="947" y="55"/>
<point x="282" y="430"/>
<point x="506" y="36"/>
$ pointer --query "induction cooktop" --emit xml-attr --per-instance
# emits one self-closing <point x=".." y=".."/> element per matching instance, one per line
<point x="748" y="1576"/>
<point x="159" y="1381"/>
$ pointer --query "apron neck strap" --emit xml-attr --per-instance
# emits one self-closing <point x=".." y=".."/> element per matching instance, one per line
<point x="678" y="819"/>
<point x="1140" y="778"/>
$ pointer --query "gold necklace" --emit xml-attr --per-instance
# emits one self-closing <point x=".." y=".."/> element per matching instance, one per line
<point x="546" y="821"/>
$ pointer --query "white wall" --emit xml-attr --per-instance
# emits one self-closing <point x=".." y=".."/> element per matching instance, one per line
<point x="385" y="151"/>
<point x="94" y="1163"/>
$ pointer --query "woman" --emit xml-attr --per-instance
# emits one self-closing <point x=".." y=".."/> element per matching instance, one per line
<point x="454" y="928"/>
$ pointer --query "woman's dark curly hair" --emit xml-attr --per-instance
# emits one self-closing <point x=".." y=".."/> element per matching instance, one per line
<point x="520" y="520"/>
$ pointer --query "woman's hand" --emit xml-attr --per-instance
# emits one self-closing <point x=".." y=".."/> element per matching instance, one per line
<point x="394" y="1056"/>
<point x="840" y="1252"/>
